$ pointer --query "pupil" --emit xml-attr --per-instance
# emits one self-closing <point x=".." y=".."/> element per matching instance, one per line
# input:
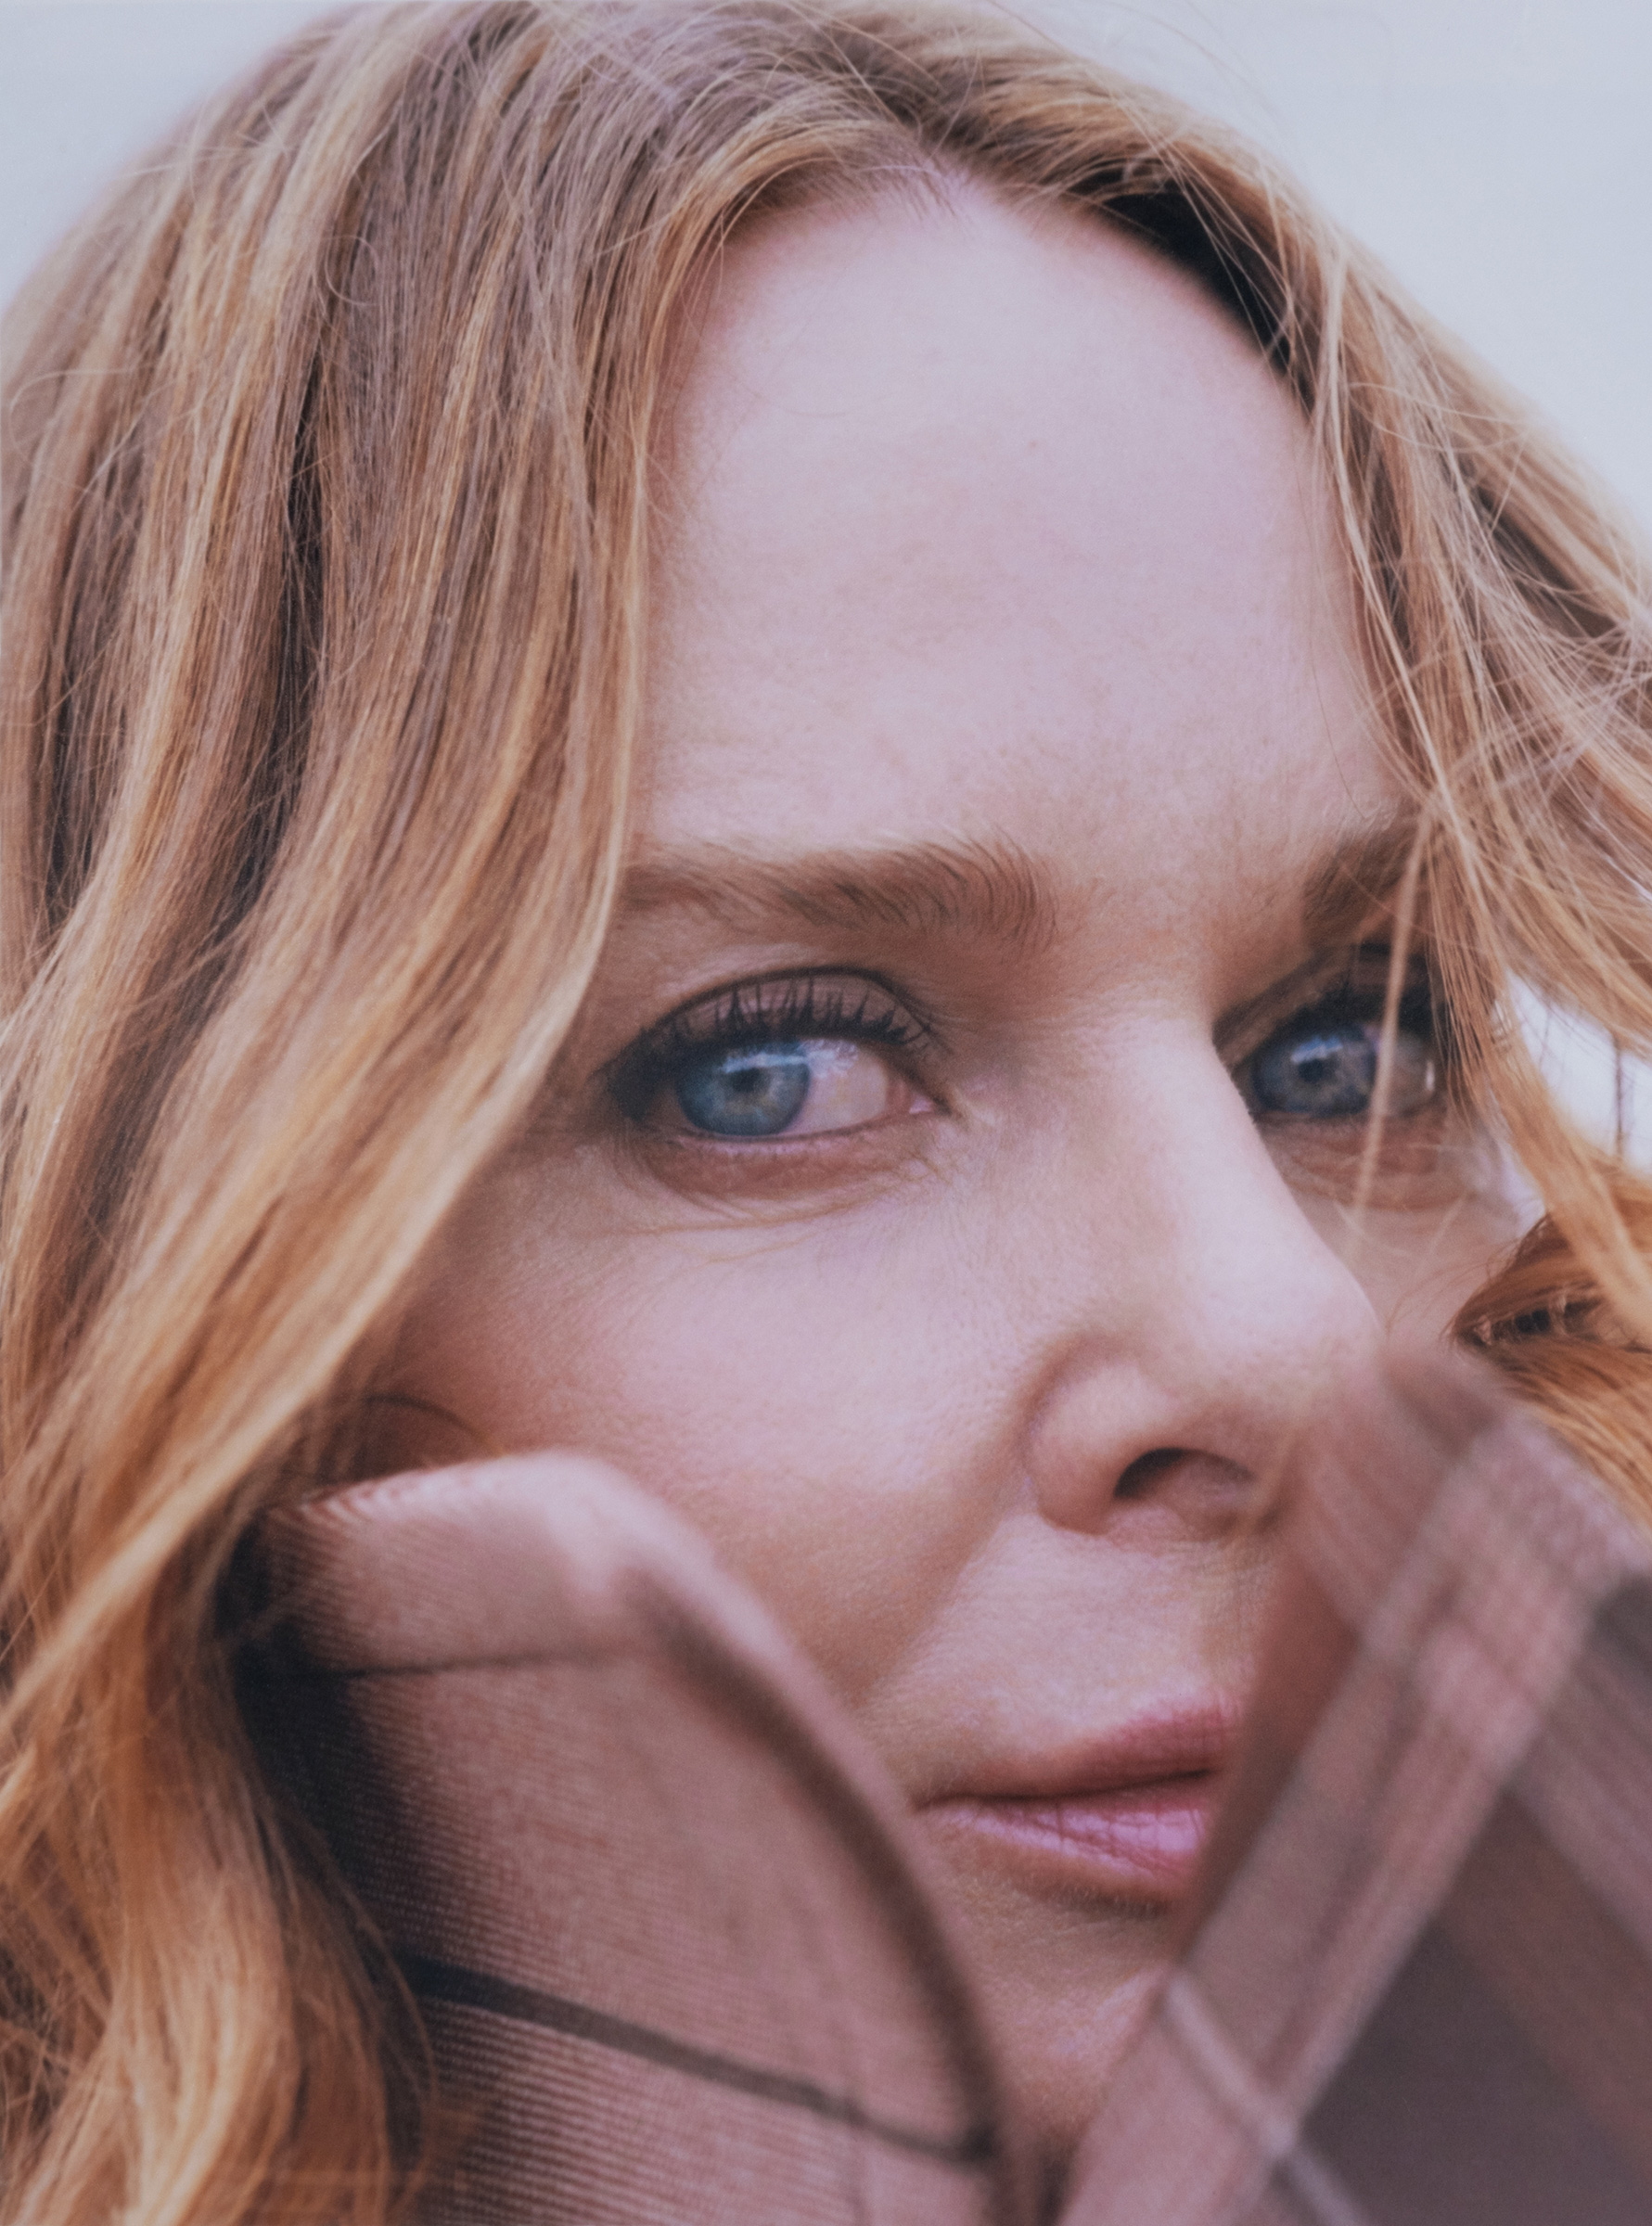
<point x="755" y="1092"/>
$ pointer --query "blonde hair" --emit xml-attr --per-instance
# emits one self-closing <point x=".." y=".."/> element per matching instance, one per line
<point x="326" y="508"/>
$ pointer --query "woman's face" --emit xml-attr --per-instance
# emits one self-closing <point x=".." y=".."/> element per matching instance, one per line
<point x="946" y="1201"/>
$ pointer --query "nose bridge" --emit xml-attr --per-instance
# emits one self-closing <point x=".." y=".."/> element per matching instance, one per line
<point x="1191" y="1305"/>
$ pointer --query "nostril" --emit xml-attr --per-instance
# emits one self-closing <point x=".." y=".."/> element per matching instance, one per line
<point x="1147" y="1469"/>
<point x="1202" y="1488"/>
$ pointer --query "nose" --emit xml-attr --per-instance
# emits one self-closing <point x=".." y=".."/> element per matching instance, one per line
<point x="1194" y="1323"/>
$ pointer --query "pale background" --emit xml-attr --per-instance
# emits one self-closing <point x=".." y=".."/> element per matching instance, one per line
<point x="1496" y="153"/>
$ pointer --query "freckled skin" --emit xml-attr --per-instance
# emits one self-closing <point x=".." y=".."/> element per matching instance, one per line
<point x="985" y="527"/>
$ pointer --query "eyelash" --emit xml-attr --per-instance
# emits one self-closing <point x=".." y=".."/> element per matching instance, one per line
<point x="856" y="1009"/>
<point x="1362" y="993"/>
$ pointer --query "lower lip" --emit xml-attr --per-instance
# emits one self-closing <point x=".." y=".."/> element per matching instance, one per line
<point x="1136" y="1843"/>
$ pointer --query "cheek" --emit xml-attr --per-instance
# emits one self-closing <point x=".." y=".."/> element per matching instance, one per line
<point x="1417" y="1267"/>
<point x="803" y="1400"/>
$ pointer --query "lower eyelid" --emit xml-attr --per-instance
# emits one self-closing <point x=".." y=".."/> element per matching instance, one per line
<point x="1428" y="1163"/>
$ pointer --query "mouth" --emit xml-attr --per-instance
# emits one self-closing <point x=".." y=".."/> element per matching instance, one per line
<point x="1125" y="1822"/>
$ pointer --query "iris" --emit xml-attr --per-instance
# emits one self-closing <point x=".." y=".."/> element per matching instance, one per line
<point x="1325" y="1071"/>
<point x="757" y="1089"/>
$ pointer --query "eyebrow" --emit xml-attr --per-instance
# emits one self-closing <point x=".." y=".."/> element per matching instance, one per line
<point x="1346" y="899"/>
<point x="1352" y="893"/>
<point x="990" y="889"/>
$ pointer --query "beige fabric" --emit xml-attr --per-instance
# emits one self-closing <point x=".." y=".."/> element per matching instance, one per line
<point x="677" y="1952"/>
<point x="670" y="1939"/>
<point x="1418" y="1990"/>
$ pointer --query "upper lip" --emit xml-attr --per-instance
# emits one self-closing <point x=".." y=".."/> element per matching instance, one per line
<point x="1188" y="1741"/>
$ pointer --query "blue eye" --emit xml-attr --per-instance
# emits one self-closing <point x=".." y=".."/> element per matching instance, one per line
<point x="808" y="1056"/>
<point x="1323" y="1070"/>
<point x="756" y="1090"/>
<point x="1326" y="1069"/>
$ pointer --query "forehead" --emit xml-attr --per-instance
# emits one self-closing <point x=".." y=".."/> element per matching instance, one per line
<point x="981" y="522"/>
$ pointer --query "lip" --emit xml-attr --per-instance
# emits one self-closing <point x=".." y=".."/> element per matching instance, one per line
<point x="1122" y="1820"/>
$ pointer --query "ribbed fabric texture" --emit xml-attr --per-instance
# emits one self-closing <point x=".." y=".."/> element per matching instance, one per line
<point x="681" y="1959"/>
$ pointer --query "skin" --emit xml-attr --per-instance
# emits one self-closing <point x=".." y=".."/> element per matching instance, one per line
<point x="987" y="535"/>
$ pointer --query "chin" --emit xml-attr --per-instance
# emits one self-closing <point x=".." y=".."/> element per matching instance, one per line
<point x="1065" y="1979"/>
